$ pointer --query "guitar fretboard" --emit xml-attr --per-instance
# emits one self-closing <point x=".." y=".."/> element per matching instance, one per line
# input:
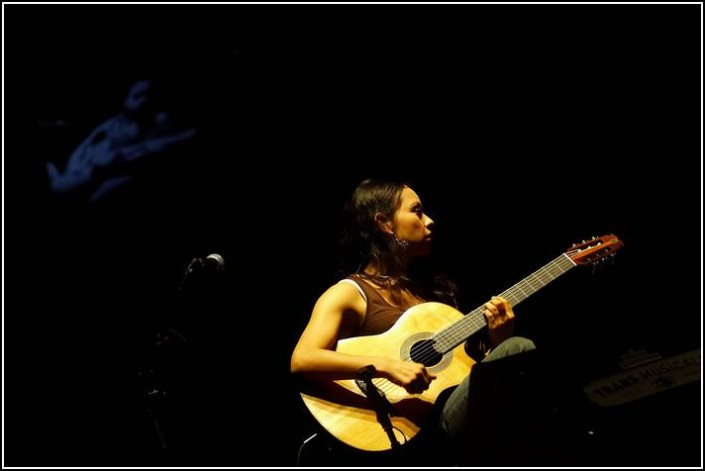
<point x="454" y="335"/>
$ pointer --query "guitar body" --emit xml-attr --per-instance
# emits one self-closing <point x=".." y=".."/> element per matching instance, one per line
<point x="344" y="411"/>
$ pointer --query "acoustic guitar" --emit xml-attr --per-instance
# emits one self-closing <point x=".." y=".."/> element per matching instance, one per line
<point x="429" y="333"/>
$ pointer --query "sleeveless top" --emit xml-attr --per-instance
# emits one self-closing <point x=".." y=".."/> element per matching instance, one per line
<point x="380" y="316"/>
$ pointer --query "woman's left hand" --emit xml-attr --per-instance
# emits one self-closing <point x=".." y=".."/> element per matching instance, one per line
<point x="500" y="319"/>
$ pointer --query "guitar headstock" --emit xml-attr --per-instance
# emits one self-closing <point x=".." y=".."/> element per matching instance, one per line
<point x="592" y="251"/>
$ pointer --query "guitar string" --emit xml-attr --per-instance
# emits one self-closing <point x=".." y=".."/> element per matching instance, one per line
<point x="476" y="320"/>
<point x="515" y="295"/>
<point x="458" y="332"/>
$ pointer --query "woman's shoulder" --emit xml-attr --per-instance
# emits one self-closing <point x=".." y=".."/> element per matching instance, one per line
<point x="342" y="300"/>
<point x="346" y="291"/>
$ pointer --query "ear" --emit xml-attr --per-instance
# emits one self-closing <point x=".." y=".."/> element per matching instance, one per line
<point x="384" y="224"/>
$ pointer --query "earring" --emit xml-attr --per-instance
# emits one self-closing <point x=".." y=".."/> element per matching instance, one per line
<point x="401" y="242"/>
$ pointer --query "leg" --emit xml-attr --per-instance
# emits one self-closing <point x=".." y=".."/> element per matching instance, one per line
<point x="455" y="422"/>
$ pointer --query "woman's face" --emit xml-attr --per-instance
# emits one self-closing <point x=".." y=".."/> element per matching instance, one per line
<point x="412" y="225"/>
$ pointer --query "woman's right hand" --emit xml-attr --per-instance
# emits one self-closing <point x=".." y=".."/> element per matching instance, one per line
<point x="414" y="377"/>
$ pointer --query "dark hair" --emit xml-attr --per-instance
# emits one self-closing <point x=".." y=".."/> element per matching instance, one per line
<point x="362" y="242"/>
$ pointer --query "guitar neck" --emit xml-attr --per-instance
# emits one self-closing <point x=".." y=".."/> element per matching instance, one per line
<point x="457" y="333"/>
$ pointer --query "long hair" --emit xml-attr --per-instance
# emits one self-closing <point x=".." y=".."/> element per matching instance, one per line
<point x="362" y="242"/>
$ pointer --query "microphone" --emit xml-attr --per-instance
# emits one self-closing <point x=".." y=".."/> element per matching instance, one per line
<point x="213" y="263"/>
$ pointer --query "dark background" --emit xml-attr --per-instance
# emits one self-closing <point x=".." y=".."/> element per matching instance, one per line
<point x="523" y="128"/>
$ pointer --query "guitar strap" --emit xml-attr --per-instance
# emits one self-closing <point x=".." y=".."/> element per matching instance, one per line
<point x="383" y="409"/>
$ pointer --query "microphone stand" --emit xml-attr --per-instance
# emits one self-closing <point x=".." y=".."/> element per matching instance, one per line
<point x="151" y="381"/>
<point x="189" y="270"/>
<point x="168" y="363"/>
<point x="153" y="392"/>
<point x="380" y="404"/>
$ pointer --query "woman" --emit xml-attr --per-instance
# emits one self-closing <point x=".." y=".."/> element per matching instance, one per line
<point x="386" y="234"/>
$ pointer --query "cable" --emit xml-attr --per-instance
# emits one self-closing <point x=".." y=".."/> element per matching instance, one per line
<point x="298" y="456"/>
<point x="402" y="434"/>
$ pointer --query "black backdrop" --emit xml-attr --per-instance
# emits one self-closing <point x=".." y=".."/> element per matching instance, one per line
<point x="524" y="128"/>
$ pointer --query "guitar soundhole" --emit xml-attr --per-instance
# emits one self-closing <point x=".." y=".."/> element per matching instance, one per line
<point x="425" y="352"/>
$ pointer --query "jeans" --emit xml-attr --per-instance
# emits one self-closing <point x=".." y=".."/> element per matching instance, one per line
<point x="455" y="422"/>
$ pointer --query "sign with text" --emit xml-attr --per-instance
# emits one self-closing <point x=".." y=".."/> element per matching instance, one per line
<point x="645" y="380"/>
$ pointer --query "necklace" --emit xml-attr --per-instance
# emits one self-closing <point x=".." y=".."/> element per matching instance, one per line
<point x="388" y="280"/>
<point x="384" y="280"/>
